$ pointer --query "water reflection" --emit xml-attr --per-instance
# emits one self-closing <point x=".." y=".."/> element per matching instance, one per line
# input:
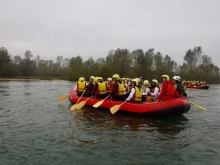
<point x="88" y="118"/>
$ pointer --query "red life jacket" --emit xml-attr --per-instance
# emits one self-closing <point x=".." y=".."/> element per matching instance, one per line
<point x="111" y="86"/>
<point x="170" y="92"/>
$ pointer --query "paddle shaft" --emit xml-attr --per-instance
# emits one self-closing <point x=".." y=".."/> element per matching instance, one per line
<point x="81" y="96"/>
<point x="73" y="107"/>
<point x="61" y="98"/>
<point x="100" y="102"/>
<point x="81" y="104"/>
<point x="198" y="106"/>
<point x="123" y="103"/>
<point x="116" y="107"/>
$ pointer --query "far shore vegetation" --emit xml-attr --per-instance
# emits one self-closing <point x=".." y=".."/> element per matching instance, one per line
<point x="149" y="65"/>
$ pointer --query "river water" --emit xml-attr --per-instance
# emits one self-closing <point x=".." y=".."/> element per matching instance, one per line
<point x="36" y="129"/>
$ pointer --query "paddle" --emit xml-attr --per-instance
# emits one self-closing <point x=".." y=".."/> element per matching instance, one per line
<point x="116" y="107"/>
<point x="82" y="103"/>
<point x="198" y="106"/>
<point x="96" y="105"/>
<point x="73" y="107"/>
<point x="63" y="97"/>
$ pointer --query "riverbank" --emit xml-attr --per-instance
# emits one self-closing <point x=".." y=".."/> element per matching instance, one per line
<point x="30" y="78"/>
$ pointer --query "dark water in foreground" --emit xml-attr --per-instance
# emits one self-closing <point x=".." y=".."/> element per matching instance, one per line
<point x="36" y="129"/>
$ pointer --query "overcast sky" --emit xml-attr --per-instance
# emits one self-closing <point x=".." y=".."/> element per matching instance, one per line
<point x="50" y="28"/>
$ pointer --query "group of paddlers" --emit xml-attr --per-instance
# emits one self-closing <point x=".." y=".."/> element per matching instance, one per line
<point x="134" y="90"/>
<point x="194" y="83"/>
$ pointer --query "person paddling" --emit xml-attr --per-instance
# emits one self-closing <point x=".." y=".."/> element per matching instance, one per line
<point x="179" y="86"/>
<point x="90" y="87"/>
<point x="100" y="88"/>
<point x="80" y="86"/>
<point x="118" y="90"/>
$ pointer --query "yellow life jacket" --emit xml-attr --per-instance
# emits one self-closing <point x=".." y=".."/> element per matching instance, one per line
<point x="137" y="95"/>
<point x="81" y="86"/>
<point x="101" y="88"/>
<point x="120" y="89"/>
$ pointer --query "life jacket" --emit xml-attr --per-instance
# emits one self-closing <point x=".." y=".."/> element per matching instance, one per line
<point x="128" y="89"/>
<point x="181" y="89"/>
<point x="137" y="95"/>
<point x="120" y="89"/>
<point x="111" y="86"/>
<point x="81" y="86"/>
<point x="101" y="88"/>
<point x="170" y="92"/>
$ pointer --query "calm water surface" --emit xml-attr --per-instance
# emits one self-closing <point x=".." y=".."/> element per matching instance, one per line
<point x="36" y="129"/>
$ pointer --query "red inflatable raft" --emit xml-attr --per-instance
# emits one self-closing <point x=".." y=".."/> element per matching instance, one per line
<point x="205" y="86"/>
<point x="160" y="109"/>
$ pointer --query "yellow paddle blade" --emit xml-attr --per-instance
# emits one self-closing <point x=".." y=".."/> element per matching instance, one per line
<point x="73" y="107"/>
<point x="63" y="97"/>
<point x="98" y="103"/>
<point x="80" y="105"/>
<point x="115" y="108"/>
<point x="198" y="106"/>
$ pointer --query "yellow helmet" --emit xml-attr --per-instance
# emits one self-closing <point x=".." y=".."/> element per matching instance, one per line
<point x="99" y="79"/>
<point x="116" y="76"/>
<point x="139" y="80"/>
<point x="135" y="80"/>
<point x="94" y="80"/>
<point x="166" y="76"/>
<point x="154" y="80"/>
<point x="146" y="82"/>
<point x="81" y="79"/>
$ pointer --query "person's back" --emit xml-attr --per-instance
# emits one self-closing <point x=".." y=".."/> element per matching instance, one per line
<point x="90" y="87"/>
<point x="180" y="88"/>
<point x="100" y="89"/>
<point x="81" y="86"/>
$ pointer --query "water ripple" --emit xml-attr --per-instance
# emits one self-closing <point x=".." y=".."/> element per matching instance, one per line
<point x="36" y="129"/>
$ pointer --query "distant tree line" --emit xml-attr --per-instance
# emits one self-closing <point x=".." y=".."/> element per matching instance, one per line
<point x="148" y="65"/>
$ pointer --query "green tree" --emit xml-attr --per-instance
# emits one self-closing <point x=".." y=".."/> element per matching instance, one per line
<point x="77" y="68"/>
<point x="193" y="57"/>
<point x="4" y="56"/>
<point x="28" y="66"/>
<point x="120" y="61"/>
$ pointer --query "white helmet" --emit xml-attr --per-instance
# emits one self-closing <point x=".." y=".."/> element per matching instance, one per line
<point x="177" y="78"/>
<point x="109" y="79"/>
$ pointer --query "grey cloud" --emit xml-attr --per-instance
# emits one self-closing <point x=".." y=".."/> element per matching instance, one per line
<point x="92" y="28"/>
